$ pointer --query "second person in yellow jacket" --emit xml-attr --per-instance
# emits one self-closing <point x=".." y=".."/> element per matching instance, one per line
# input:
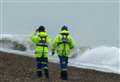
<point x="63" y="43"/>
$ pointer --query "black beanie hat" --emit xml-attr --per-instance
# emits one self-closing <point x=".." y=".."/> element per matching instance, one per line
<point x="41" y="29"/>
<point x="64" y="28"/>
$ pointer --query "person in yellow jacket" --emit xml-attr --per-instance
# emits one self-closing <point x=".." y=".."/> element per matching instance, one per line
<point x="63" y="43"/>
<point x="41" y="41"/>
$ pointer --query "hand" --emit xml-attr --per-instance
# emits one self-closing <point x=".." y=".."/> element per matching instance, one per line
<point x="53" y="52"/>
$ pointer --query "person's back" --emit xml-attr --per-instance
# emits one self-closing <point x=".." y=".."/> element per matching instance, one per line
<point x="41" y="40"/>
<point x="63" y="43"/>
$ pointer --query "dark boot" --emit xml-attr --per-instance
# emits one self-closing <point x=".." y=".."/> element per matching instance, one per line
<point x="39" y="73"/>
<point x="46" y="73"/>
<point x="64" y="75"/>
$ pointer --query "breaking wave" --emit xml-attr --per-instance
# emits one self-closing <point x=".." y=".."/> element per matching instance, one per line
<point x="102" y="58"/>
<point x="23" y="43"/>
<point x="16" y="42"/>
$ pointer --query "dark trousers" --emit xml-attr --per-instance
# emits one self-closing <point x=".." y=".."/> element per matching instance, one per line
<point x="63" y="62"/>
<point x="63" y="67"/>
<point x="42" y="63"/>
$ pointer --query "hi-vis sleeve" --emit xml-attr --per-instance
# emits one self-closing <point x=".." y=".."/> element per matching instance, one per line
<point x="34" y="38"/>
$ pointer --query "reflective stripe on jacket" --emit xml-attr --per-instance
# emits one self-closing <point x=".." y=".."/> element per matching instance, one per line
<point x="40" y="51"/>
<point x="63" y="49"/>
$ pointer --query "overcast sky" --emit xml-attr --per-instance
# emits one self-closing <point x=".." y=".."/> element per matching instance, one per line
<point x="91" y="22"/>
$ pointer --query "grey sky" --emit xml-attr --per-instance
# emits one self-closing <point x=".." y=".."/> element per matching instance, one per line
<point x="91" y="23"/>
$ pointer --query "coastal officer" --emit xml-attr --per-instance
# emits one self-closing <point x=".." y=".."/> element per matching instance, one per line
<point x="41" y="41"/>
<point x="63" y="43"/>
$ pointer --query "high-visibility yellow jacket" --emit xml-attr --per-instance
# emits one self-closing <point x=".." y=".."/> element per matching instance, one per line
<point x="63" y="49"/>
<point x="40" y="51"/>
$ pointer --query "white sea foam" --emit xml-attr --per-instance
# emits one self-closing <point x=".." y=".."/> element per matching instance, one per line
<point x="102" y="58"/>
